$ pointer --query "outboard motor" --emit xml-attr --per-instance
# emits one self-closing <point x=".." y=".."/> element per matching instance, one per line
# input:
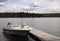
<point x="9" y="24"/>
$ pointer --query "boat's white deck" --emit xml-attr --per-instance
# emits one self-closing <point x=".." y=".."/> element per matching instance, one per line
<point x="19" y="28"/>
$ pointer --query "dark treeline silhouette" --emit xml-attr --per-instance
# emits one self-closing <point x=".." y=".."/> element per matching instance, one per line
<point x="26" y="14"/>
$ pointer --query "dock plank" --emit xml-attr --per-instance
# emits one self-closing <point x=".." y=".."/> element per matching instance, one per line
<point x="44" y="36"/>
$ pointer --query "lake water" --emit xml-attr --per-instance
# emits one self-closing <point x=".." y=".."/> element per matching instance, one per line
<point x="49" y="25"/>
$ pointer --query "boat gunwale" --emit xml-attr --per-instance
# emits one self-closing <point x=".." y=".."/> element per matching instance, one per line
<point x="14" y="30"/>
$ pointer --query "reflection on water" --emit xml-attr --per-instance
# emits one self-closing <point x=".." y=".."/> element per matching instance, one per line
<point x="15" y="37"/>
<point x="7" y="37"/>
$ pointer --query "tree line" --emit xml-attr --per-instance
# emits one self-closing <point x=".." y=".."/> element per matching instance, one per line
<point x="23" y="14"/>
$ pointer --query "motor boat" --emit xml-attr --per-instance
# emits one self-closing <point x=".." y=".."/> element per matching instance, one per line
<point x="22" y="30"/>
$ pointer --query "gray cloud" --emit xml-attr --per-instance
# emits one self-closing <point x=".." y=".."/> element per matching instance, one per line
<point x="3" y="0"/>
<point x="36" y="6"/>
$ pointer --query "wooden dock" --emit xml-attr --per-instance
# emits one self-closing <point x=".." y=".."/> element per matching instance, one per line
<point x="43" y="36"/>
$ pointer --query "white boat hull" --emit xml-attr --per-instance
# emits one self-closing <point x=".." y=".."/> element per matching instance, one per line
<point x="17" y="32"/>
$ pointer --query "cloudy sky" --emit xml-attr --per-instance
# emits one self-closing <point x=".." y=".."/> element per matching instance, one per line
<point x="33" y="6"/>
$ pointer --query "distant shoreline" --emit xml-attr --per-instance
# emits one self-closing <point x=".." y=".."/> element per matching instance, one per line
<point x="27" y="15"/>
